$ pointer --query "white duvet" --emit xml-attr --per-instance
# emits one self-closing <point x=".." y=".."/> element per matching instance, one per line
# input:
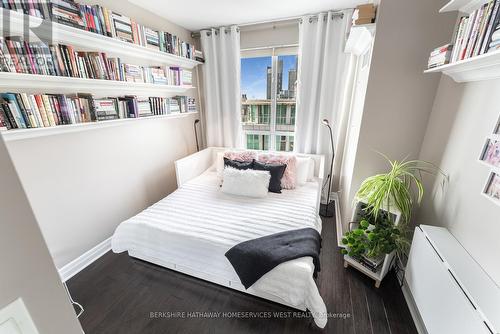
<point x="194" y="227"/>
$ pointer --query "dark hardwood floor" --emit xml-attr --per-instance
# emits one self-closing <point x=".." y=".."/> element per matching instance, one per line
<point x="119" y="295"/>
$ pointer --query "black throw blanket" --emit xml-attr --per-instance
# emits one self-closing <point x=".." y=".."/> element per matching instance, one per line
<point x="252" y="259"/>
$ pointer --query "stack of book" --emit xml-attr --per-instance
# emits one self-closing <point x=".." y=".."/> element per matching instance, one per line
<point x="62" y="11"/>
<point x="186" y="77"/>
<point x="133" y="73"/>
<point x="159" y="105"/>
<point x="474" y="33"/>
<point x="97" y="19"/>
<point x="440" y="56"/>
<point x="373" y="264"/>
<point x="182" y="104"/>
<point x="103" y="21"/>
<point x="198" y="56"/>
<point x="44" y="110"/>
<point x="22" y="111"/>
<point x="364" y="14"/>
<point x="152" y="39"/>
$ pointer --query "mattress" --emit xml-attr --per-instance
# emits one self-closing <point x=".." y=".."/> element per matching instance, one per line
<point x="192" y="228"/>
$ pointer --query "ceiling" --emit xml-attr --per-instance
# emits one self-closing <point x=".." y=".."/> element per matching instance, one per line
<point x="198" y="14"/>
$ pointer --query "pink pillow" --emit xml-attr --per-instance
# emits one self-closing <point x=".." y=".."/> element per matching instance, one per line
<point x="240" y="155"/>
<point x="289" y="179"/>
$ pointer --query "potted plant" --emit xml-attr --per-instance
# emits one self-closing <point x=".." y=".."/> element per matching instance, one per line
<point x="377" y="233"/>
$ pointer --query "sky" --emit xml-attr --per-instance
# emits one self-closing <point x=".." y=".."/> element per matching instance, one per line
<point x="254" y="74"/>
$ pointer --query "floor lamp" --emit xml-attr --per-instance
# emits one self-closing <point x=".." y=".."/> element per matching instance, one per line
<point x="329" y="177"/>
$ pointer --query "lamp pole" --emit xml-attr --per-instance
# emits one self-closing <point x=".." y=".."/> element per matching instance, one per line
<point x="326" y="214"/>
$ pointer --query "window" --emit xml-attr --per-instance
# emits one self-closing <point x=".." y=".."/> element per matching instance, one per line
<point x="268" y="91"/>
<point x="257" y="142"/>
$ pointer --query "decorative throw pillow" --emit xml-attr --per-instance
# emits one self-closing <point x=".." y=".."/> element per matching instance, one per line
<point x="249" y="182"/>
<point x="304" y="170"/>
<point x="240" y="155"/>
<point x="241" y="165"/>
<point x="276" y="170"/>
<point x="288" y="181"/>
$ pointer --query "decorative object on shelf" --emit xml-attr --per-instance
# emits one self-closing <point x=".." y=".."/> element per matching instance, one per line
<point x="364" y="14"/>
<point x="196" y="121"/>
<point x="387" y="202"/>
<point x="491" y="153"/>
<point x="326" y="212"/>
<point x="492" y="188"/>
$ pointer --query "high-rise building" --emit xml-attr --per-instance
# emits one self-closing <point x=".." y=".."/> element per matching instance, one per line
<point x="292" y="78"/>
<point x="279" y="77"/>
<point x="269" y="82"/>
<point x="279" y="83"/>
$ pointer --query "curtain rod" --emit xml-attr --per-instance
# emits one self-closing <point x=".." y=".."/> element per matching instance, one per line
<point x="338" y="13"/>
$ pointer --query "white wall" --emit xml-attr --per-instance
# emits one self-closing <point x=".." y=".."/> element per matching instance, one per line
<point x="399" y="96"/>
<point x="269" y="34"/>
<point x="463" y="115"/>
<point x="27" y="268"/>
<point x="83" y="184"/>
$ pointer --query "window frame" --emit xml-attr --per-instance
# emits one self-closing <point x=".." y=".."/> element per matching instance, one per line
<point x="274" y="52"/>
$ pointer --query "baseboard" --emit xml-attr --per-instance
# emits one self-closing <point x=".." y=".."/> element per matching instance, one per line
<point x="81" y="262"/>
<point x="338" y="219"/>
<point x="415" y="314"/>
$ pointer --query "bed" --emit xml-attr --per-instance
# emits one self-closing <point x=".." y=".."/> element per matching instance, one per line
<point x="191" y="229"/>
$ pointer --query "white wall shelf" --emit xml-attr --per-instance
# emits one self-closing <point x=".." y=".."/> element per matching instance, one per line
<point x="88" y="41"/>
<point x="21" y="134"/>
<point x="464" y="6"/>
<point x="483" y="67"/>
<point x="38" y="84"/>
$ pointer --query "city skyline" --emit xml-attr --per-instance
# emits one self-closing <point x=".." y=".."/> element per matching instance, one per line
<point x="254" y="76"/>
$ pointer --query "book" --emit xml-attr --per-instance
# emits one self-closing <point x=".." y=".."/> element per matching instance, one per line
<point x="106" y="109"/>
<point x="20" y="119"/>
<point x="493" y="22"/>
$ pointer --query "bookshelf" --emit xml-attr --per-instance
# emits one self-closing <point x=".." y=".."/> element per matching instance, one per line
<point x="464" y="6"/>
<point x="63" y="34"/>
<point x="35" y="84"/>
<point x="88" y="41"/>
<point x="482" y="67"/>
<point x="21" y="134"/>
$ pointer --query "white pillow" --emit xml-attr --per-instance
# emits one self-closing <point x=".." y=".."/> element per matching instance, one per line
<point x="250" y="183"/>
<point x="219" y="163"/>
<point x="304" y="170"/>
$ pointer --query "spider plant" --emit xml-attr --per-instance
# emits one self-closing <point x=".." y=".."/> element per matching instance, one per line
<point x="400" y="187"/>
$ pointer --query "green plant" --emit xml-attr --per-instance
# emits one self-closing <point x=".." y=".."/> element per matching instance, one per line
<point x="400" y="187"/>
<point x="373" y="237"/>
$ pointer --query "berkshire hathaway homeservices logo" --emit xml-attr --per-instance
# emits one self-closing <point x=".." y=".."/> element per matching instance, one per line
<point x="15" y="24"/>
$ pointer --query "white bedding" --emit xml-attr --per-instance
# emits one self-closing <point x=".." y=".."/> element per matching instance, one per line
<point x="191" y="230"/>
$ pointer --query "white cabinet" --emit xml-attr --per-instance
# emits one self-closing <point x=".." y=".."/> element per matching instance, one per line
<point x="445" y="302"/>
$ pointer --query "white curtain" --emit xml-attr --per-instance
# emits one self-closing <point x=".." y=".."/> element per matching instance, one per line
<point x="321" y="81"/>
<point x="221" y="86"/>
